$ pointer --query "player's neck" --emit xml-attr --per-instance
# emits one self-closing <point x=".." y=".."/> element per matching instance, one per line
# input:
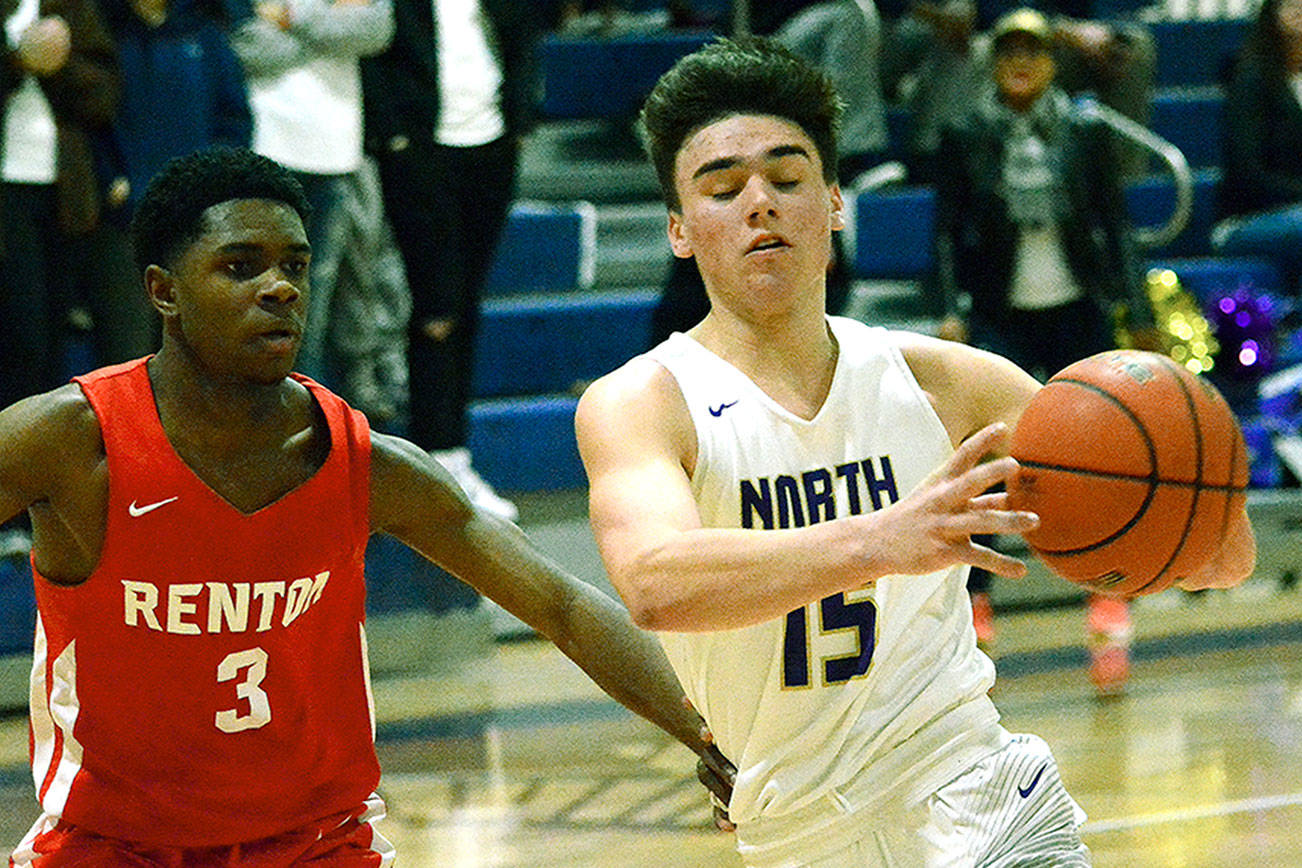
<point x="184" y="390"/>
<point x="792" y="359"/>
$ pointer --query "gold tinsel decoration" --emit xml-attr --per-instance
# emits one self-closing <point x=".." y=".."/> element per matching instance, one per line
<point x="1185" y="333"/>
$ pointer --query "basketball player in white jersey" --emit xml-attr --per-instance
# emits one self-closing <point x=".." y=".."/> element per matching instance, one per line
<point x="788" y="499"/>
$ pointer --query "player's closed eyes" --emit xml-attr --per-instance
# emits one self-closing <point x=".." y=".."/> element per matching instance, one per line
<point x="731" y="192"/>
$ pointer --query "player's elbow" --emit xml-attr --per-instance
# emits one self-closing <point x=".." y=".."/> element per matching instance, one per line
<point x="646" y="606"/>
<point x="647" y="612"/>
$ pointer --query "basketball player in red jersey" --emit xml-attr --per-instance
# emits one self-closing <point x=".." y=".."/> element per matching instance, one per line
<point x="199" y="518"/>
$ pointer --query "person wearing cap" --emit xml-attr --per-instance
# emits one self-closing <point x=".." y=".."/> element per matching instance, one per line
<point x="935" y="60"/>
<point x="1035" y="248"/>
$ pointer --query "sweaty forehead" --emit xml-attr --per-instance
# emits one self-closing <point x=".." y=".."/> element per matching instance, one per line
<point x="740" y="139"/>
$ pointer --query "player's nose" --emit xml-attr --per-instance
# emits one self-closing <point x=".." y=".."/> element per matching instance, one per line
<point x="760" y="199"/>
<point x="281" y="289"/>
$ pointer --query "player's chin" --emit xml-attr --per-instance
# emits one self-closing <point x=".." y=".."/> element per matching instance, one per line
<point x="265" y="371"/>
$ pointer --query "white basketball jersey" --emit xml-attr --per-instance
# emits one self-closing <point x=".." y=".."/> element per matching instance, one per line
<point x="868" y="700"/>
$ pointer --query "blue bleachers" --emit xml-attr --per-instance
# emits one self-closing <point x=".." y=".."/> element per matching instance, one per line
<point x="894" y="228"/>
<point x="545" y="343"/>
<point x="607" y="77"/>
<point x="894" y="232"/>
<point x="1192" y="119"/>
<point x="1210" y="277"/>
<point x="1152" y="202"/>
<point x="545" y="247"/>
<point x="1193" y="53"/>
<point x="526" y="444"/>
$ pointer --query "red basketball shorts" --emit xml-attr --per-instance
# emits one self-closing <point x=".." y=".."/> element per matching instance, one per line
<point x="347" y="840"/>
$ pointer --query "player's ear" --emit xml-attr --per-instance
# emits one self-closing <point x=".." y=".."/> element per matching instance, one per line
<point x="677" y="238"/>
<point x="838" y="207"/>
<point x="161" y="288"/>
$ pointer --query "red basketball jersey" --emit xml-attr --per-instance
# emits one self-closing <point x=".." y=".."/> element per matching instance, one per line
<point x="208" y="683"/>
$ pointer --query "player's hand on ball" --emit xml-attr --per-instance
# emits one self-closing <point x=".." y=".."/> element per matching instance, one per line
<point x="931" y="529"/>
<point x="1232" y="564"/>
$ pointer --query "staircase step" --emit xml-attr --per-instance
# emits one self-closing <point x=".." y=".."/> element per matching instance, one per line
<point x="543" y="343"/>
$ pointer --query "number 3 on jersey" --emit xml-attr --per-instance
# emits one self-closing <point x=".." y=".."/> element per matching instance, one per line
<point x="835" y="614"/>
<point x="252" y="662"/>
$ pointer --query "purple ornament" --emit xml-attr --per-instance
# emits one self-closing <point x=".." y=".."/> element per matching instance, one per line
<point x="1244" y="324"/>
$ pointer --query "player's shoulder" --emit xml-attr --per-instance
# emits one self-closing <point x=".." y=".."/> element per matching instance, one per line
<point x="637" y="408"/>
<point x="969" y="387"/>
<point x="641" y="385"/>
<point x="56" y="430"/>
<point x="938" y="363"/>
<point x="62" y="413"/>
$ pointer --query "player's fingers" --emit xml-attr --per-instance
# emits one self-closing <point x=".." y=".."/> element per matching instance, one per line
<point x="979" y="479"/>
<point x="973" y="449"/>
<point x="989" y="500"/>
<point x="719" y="764"/>
<point x="995" y="562"/>
<point x="997" y="521"/>
<point x="722" y="821"/>
<point x="1204" y="581"/>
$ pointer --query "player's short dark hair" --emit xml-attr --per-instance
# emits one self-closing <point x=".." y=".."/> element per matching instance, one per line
<point x="170" y="215"/>
<point x="731" y="77"/>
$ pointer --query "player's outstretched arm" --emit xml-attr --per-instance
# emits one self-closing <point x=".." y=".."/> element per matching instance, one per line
<point x="415" y="500"/>
<point x="637" y="444"/>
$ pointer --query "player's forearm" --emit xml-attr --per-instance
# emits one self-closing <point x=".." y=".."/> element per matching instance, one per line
<point x="720" y="579"/>
<point x="627" y="663"/>
<point x="588" y="626"/>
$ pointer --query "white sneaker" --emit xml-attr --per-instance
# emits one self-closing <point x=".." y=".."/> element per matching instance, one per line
<point x="481" y="494"/>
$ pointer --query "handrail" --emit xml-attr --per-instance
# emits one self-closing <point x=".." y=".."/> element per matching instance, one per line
<point x="1170" y="154"/>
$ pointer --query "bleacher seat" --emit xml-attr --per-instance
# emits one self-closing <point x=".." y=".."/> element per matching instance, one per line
<point x="1152" y="201"/>
<point x="893" y="229"/>
<point x="538" y="344"/>
<point x="1192" y="119"/>
<point x="893" y="233"/>
<point x="17" y="606"/>
<point x="1196" y="52"/>
<point x="526" y="444"/>
<point x="545" y="247"/>
<point x="607" y="77"/>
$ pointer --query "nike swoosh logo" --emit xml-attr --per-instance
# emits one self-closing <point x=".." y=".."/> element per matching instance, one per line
<point x="718" y="411"/>
<point x="1026" y="790"/>
<point x="137" y="511"/>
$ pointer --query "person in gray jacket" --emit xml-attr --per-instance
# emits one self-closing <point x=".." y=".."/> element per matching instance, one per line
<point x="305" y="90"/>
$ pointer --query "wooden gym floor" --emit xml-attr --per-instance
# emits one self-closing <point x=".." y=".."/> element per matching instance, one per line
<point x="510" y="758"/>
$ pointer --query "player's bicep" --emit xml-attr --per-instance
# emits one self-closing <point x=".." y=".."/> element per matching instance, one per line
<point x="412" y="495"/>
<point x="1008" y="391"/>
<point x="634" y="446"/>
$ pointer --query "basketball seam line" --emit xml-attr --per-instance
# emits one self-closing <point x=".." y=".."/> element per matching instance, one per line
<point x="1192" y="410"/>
<point x="1132" y="477"/>
<point x="1152" y="462"/>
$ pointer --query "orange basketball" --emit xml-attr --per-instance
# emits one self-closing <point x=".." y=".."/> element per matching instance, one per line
<point x="1134" y="466"/>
